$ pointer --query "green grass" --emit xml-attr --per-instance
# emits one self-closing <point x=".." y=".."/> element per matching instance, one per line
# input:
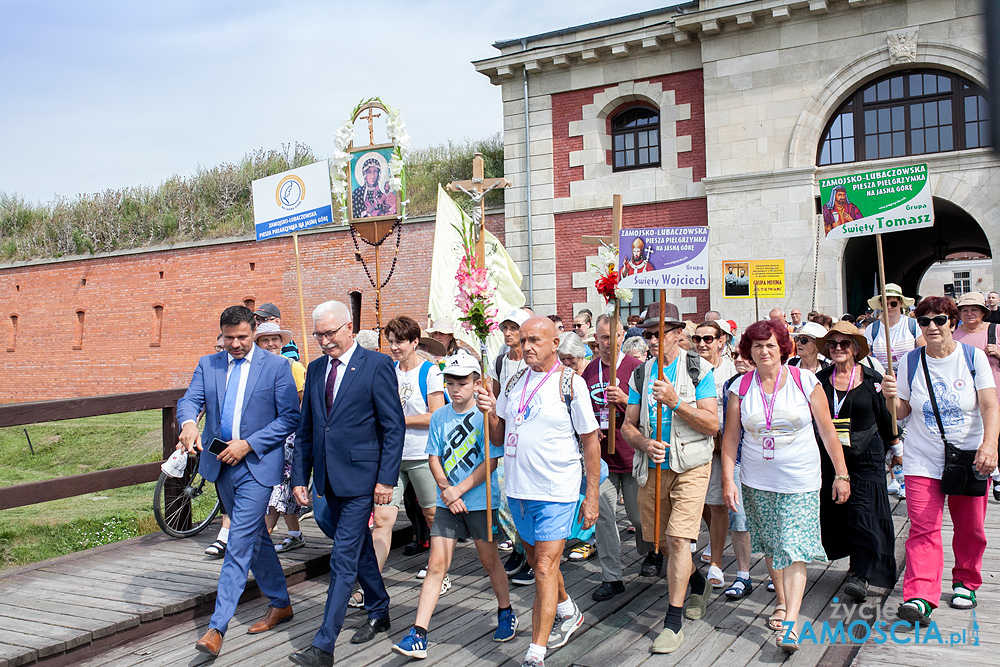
<point x="73" y="447"/>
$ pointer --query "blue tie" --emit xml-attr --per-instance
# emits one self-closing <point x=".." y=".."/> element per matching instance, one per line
<point x="229" y="402"/>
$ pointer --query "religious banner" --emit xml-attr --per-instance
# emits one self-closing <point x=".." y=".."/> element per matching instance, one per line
<point x="764" y="278"/>
<point x="292" y="201"/>
<point x="664" y="258"/>
<point x="875" y="202"/>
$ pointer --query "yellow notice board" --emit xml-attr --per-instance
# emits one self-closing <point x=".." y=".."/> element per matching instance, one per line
<point x="741" y="278"/>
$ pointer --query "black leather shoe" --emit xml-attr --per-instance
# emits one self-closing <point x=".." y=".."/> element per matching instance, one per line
<point x="608" y="590"/>
<point x="652" y="566"/>
<point x="996" y="491"/>
<point x="369" y="629"/>
<point x="414" y="548"/>
<point x="312" y="657"/>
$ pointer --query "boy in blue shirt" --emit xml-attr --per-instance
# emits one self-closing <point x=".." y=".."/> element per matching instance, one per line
<point x="457" y="461"/>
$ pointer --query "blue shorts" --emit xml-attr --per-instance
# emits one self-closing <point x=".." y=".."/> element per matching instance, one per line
<point x="738" y="519"/>
<point x="542" y="520"/>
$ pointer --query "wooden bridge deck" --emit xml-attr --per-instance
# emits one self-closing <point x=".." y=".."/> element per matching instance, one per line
<point x="147" y="601"/>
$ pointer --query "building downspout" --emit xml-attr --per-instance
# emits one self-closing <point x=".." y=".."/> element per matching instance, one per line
<point x="527" y="183"/>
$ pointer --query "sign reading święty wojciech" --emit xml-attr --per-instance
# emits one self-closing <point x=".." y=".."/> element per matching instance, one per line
<point x="876" y="202"/>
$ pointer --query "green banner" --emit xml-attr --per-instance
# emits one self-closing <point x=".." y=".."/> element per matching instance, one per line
<point x="876" y="202"/>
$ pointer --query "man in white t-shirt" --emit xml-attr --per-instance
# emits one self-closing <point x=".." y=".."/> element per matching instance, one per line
<point x="538" y="431"/>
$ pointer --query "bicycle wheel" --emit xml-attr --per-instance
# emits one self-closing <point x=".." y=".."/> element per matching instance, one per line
<point x="184" y="506"/>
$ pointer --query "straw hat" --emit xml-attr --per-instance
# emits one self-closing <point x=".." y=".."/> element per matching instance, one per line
<point x="847" y="329"/>
<point x="973" y="299"/>
<point x="891" y="290"/>
<point x="432" y="345"/>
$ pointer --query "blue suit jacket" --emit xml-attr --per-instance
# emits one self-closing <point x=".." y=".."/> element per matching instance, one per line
<point x="270" y="411"/>
<point x="361" y="441"/>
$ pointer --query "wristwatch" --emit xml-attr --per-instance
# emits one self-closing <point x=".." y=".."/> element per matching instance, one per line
<point x="842" y="478"/>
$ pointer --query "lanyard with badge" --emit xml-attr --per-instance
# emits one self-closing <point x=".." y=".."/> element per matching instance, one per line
<point x="523" y="404"/>
<point x="768" y="444"/>
<point x="604" y="415"/>
<point x="842" y="424"/>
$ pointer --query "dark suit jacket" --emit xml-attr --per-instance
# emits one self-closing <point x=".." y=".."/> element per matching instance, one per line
<point x="361" y="442"/>
<point x="270" y="411"/>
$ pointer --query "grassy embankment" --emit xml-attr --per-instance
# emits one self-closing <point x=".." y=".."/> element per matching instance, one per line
<point x="72" y="447"/>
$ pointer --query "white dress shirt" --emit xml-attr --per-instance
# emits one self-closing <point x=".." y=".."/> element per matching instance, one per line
<point x="241" y="391"/>
<point x="345" y="360"/>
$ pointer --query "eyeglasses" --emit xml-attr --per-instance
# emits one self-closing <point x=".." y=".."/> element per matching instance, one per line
<point x="802" y="340"/>
<point x="939" y="320"/>
<point x="842" y="343"/>
<point x="320" y="335"/>
<point x="709" y="339"/>
<point x="260" y="319"/>
<point x="219" y="348"/>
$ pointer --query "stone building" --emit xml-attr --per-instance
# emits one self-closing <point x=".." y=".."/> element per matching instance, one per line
<point x="728" y="114"/>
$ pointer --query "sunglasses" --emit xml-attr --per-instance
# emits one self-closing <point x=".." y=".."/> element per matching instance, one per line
<point x="709" y="339"/>
<point x="802" y="340"/>
<point x="939" y="320"/>
<point x="578" y="326"/>
<point x="841" y="343"/>
<point x="893" y="304"/>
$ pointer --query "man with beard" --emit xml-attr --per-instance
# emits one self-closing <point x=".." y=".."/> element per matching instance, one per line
<point x="839" y="210"/>
<point x="638" y="262"/>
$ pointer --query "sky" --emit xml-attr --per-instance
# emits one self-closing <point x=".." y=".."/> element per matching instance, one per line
<point x="101" y="94"/>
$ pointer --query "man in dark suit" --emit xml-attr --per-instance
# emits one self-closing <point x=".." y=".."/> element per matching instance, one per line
<point x="251" y="404"/>
<point x="351" y="439"/>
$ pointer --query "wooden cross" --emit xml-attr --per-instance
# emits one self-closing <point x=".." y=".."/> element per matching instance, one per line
<point x="477" y="189"/>
<point x="616" y="228"/>
<point x="371" y="128"/>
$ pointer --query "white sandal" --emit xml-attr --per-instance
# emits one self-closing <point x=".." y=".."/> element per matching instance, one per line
<point x="716" y="573"/>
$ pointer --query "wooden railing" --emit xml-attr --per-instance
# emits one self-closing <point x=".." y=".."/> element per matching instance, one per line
<point x="22" y="414"/>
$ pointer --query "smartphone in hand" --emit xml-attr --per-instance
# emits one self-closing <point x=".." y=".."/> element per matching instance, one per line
<point x="218" y="446"/>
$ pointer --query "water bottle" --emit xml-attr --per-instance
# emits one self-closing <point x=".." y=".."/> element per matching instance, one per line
<point x="897" y="472"/>
<point x="978" y="475"/>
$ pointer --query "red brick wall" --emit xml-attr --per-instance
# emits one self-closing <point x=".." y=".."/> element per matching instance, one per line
<point x="121" y="293"/>
<point x="688" y="88"/>
<point x="571" y="254"/>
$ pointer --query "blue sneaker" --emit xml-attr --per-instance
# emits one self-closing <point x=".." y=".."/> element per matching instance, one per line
<point x="506" y="626"/>
<point x="412" y="645"/>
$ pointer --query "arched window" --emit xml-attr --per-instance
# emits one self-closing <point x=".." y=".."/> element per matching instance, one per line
<point x="909" y="112"/>
<point x="635" y="135"/>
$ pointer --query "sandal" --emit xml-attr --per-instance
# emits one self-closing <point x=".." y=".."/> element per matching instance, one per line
<point x="357" y="600"/>
<point x="716" y="577"/>
<point x="739" y="589"/>
<point x="216" y="549"/>
<point x="789" y="646"/>
<point x="915" y="610"/>
<point x="706" y="555"/>
<point x="962" y="597"/>
<point x="770" y="586"/>
<point x="774" y="621"/>
<point x="583" y="552"/>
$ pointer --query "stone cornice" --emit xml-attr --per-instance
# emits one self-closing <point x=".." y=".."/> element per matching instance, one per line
<point x="747" y="14"/>
<point x="719" y="185"/>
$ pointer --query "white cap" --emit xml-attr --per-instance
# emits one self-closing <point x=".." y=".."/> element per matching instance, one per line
<point x="176" y="464"/>
<point x="461" y="364"/>
<point x="517" y="316"/>
<point x="813" y="329"/>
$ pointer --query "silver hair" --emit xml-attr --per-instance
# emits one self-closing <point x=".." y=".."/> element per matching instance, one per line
<point x="335" y="308"/>
<point x="633" y="344"/>
<point x="571" y="345"/>
<point x="367" y="339"/>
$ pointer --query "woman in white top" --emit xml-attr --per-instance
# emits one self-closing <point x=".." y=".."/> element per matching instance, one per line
<point x="964" y="392"/>
<point x="809" y="357"/>
<point x="903" y="333"/>
<point x="776" y="406"/>
<point x="709" y="340"/>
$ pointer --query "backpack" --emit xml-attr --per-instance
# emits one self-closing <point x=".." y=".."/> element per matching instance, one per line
<point x="969" y="352"/>
<point x="425" y="369"/>
<point x="910" y="323"/>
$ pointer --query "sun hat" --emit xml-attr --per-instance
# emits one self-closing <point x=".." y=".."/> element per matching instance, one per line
<point x="973" y="299"/>
<point x="518" y="316"/>
<point x="272" y="329"/>
<point x="814" y="330"/>
<point x="441" y="326"/>
<point x="432" y="345"/>
<point x="461" y="364"/>
<point x="891" y="290"/>
<point x="846" y="328"/>
<point x="672" y="317"/>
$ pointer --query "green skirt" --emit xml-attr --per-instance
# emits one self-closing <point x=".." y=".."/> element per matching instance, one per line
<point x="784" y="526"/>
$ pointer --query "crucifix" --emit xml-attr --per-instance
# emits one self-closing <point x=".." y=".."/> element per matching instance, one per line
<point x="476" y="189"/>
<point x="371" y="128"/>
<point x="616" y="228"/>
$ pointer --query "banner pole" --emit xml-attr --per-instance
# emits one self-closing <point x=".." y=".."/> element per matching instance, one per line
<point x="659" y="422"/>
<point x="885" y="323"/>
<point x="613" y="381"/>
<point x="302" y="306"/>
<point x="378" y="301"/>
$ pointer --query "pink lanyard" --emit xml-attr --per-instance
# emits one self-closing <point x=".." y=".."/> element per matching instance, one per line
<point x="768" y="449"/>
<point x="522" y="404"/>
<point x="837" y="405"/>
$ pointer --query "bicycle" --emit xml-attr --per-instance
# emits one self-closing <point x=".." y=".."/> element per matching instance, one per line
<point x="185" y="506"/>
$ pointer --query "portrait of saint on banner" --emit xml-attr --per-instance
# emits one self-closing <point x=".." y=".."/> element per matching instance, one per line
<point x="371" y="194"/>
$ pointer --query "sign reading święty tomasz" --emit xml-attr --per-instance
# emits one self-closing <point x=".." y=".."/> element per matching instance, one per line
<point x="876" y="202"/>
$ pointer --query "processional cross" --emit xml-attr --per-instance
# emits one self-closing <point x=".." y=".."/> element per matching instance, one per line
<point x="371" y="127"/>
<point x="476" y="189"/>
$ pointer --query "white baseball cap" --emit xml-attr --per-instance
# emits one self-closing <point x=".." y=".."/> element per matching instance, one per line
<point x="461" y="364"/>
<point x="518" y="316"/>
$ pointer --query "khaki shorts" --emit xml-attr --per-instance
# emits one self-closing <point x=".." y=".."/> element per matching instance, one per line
<point x="682" y="497"/>
<point x="419" y="474"/>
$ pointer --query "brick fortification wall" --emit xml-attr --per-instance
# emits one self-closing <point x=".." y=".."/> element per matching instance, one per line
<point x="139" y="322"/>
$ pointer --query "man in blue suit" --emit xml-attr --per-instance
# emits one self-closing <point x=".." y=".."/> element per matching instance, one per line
<point x="251" y="404"/>
<point x="351" y="439"/>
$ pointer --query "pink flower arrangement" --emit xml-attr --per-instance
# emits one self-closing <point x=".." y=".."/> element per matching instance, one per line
<point x="475" y="293"/>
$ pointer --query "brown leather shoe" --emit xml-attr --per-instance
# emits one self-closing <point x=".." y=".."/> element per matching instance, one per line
<point x="210" y="643"/>
<point x="273" y="617"/>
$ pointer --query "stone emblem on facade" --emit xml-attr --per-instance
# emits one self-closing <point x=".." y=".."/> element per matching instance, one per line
<point x="902" y="46"/>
